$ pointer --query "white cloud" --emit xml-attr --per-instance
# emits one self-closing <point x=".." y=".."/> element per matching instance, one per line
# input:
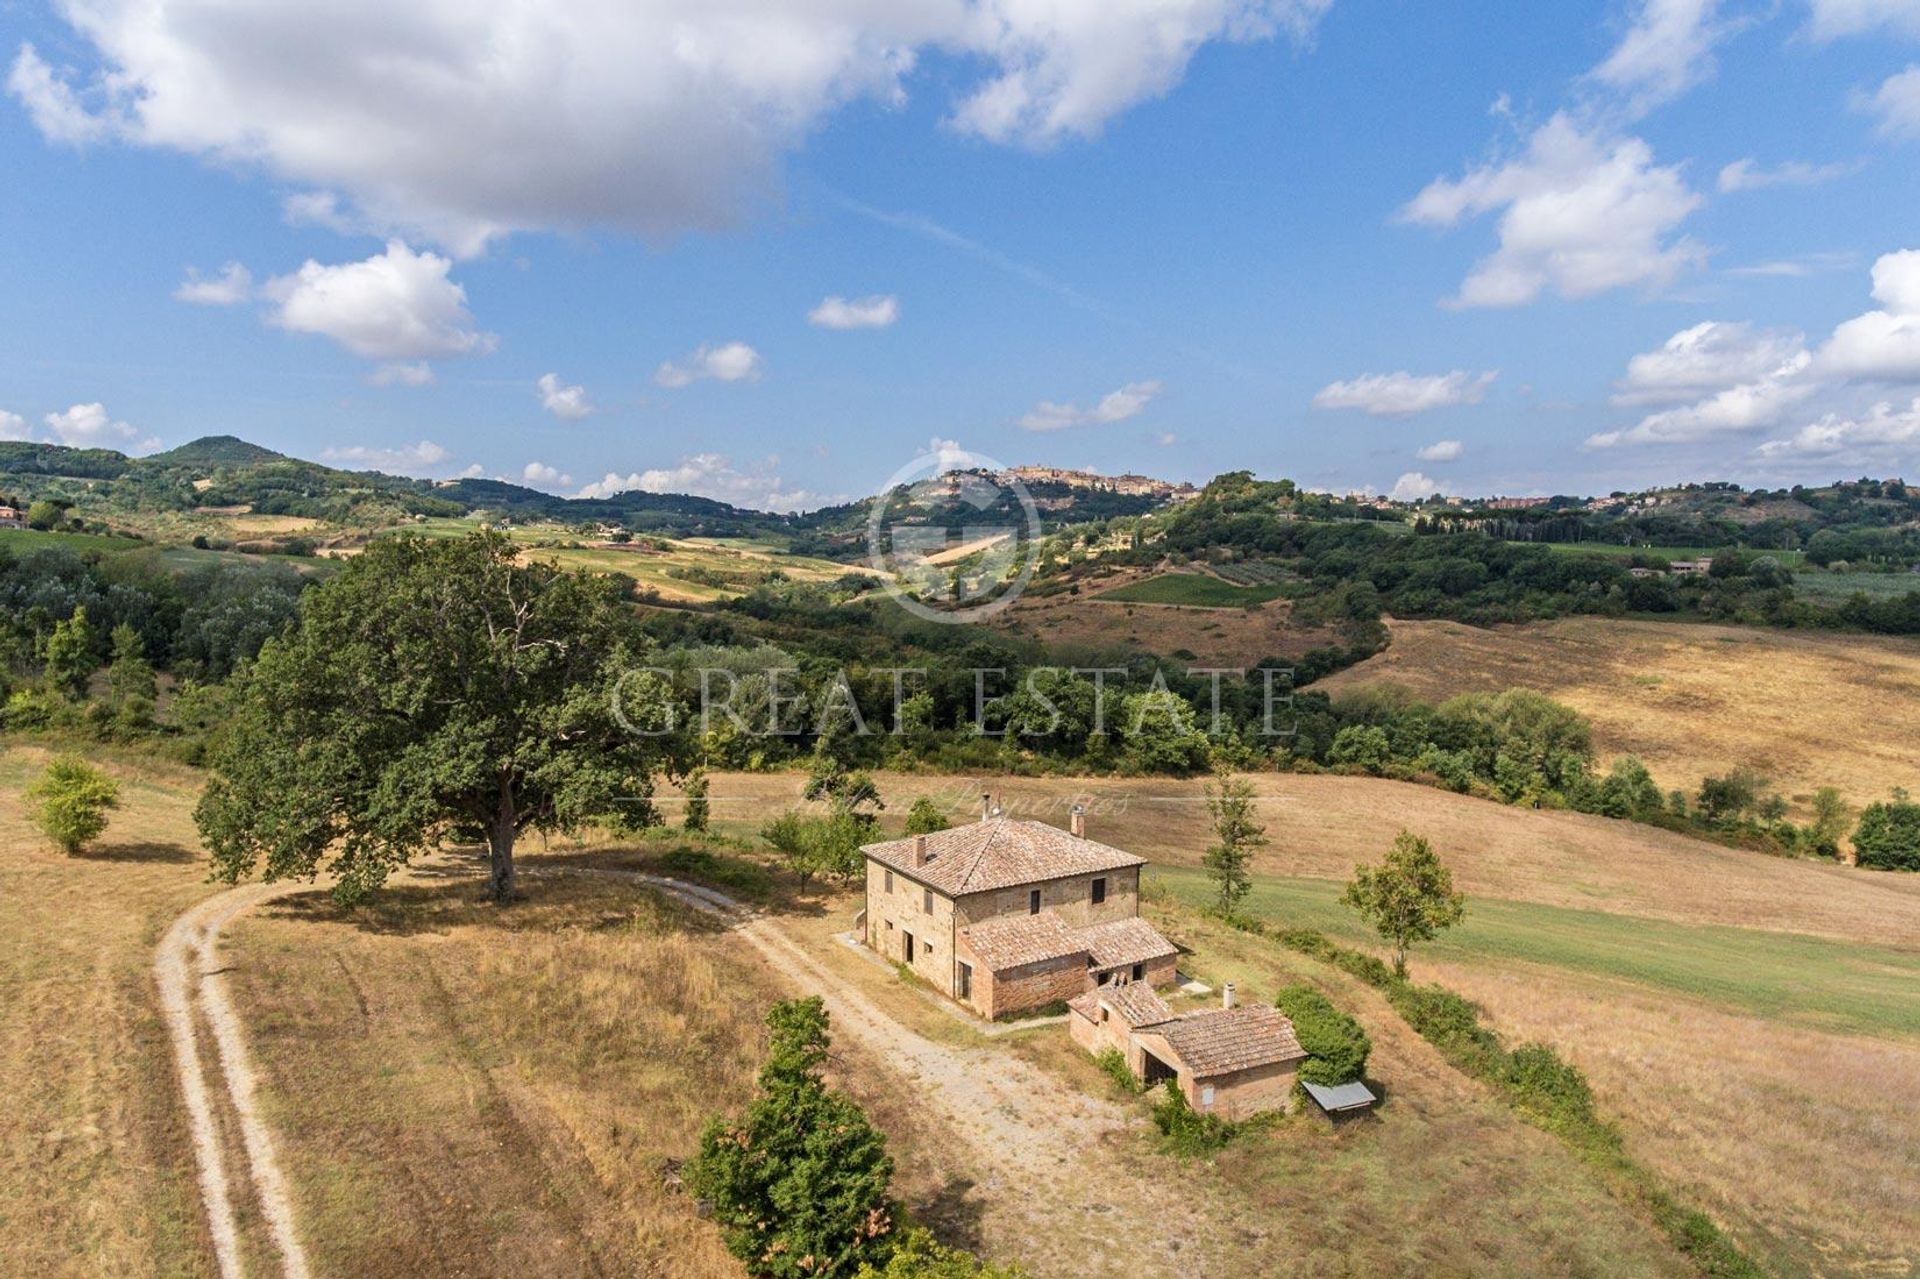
<point x="90" y="426"/>
<point x="233" y="285"/>
<point x="1882" y="433"/>
<point x="539" y="473"/>
<point x="1068" y="66"/>
<point x="1413" y="486"/>
<point x="1750" y="175"/>
<point x="1883" y="344"/>
<point x="1115" y="406"/>
<point x="396" y="305"/>
<point x="1707" y="359"/>
<point x="757" y="486"/>
<point x="1402" y="394"/>
<point x="56" y="110"/>
<point x="1166" y="439"/>
<point x="1897" y="103"/>
<point x="1796" y="268"/>
<point x="569" y="402"/>
<point x="1666" y="51"/>
<point x="422" y="459"/>
<point x="1835" y="18"/>
<point x="728" y="362"/>
<point x="13" y="427"/>
<point x="458" y="123"/>
<point x="418" y="373"/>
<point x="1581" y="212"/>
<point x="1442" y="451"/>
<point x="876" y="311"/>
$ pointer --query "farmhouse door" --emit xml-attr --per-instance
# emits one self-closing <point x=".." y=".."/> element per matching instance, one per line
<point x="909" y="945"/>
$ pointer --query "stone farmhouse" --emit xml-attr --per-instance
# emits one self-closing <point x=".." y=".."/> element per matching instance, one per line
<point x="1007" y="915"/>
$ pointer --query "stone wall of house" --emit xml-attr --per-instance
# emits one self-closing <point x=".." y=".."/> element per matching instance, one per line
<point x="1155" y="972"/>
<point x="893" y="914"/>
<point x="1071" y="899"/>
<point x="1247" y="1093"/>
<point x="1028" y="986"/>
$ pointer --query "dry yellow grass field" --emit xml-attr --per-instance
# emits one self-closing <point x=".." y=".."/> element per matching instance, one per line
<point x="1321" y="825"/>
<point x="1806" y="709"/>
<point x="1225" y="637"/>
<point x="96" y="1176"/>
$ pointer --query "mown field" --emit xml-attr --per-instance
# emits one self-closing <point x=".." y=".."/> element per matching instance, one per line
<point x="1191" y="590"/>
<point x="1791" y="559"/>
<point x="1805" y="709"/>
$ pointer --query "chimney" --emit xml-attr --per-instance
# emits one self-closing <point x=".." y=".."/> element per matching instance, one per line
<point x="1078" y="824"/>
<point x="1226" y="995"/>
<point x="919" y="851"/>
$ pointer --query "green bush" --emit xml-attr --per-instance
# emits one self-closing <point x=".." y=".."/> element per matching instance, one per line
<point x="1114" y="1063"/>
<point x="1183" y="1130"/>
<point x="70" y="801"/>
<point x="1888" y="837"/>
<point x="1336" y="1046"/>
<point x="918" y="1255"/>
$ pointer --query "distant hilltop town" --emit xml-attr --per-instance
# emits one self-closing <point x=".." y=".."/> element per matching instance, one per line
<point x="1125" y="485"/>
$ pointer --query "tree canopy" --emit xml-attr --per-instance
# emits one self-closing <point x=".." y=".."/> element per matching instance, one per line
<point x="431" y="686"/>
<point x="1408" y="897"/>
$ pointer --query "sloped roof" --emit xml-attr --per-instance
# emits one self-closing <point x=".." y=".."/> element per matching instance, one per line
<point x="1000" y="852"/>
<point x="1135" y="1003"/>
<point x="1221" y="1041"/>
<point x="1125" y="941"/>
<point x="1014" y="940"/>
<point x="1339" y="1097"/>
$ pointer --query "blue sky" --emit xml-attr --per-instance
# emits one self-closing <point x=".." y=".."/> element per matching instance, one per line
<point x="1369" y="246"/>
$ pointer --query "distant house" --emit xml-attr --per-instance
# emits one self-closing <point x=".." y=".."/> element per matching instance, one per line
<point x="1230" y="1061"/>
<point x="11" y="518"/>
<point x="1688" y="568"/>
<point x="1008" y="915"/>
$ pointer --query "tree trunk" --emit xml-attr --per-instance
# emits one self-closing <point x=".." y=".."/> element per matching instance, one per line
<point x="500" y="836"/>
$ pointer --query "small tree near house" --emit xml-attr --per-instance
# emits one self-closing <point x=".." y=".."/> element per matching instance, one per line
<point x="800" y="1182"/>
<point x="1230" y="802"/>
<point x="925" y="817"/>
<point x="1408" y="897"/>
<point x="70" y="801"/>
<point x="431" y="685"/>
<point x="697" y="804"/>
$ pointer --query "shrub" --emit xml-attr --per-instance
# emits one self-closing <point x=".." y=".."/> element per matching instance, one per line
<point x="925" y="817"/>
<point x="70" y="801"/>
<point x="1336" y="1046"/>
<point x="918" y="1255"/>
<point x="1114" y="1063"/>
<point x="1888" y="837"/>
<point x="1183" y="1130"/>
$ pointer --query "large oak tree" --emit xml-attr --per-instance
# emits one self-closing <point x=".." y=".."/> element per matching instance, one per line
<point x="431" y="686"/>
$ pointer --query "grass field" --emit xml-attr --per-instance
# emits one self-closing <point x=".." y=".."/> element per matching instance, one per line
<point x="1191" y="590"/>
<point x="1791" y="559"/>
<point x="1806" y="709"/>
<point x="1099" y="621"/>
<point x="1828" y="588"/>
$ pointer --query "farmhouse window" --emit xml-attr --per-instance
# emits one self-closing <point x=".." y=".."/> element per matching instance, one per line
<point x="1206" y="1097"/>
<point x="1139" y="971"/>
<point x="926" y="900"/>
<point x="1033" y="902"/>
<point x="966" y="981"/>
<point x="1099" y="890"/>
<point x="889" y="881"/>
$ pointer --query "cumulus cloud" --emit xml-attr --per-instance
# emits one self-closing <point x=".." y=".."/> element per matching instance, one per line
<point x="1667" y="49"/>
<point x="424" y="459"/>
<point x="396" y="305"/>
<point x="1442" y="451"/>
<point x="757" y="486"/>
<point x="1750" y="175"/>
<point x="569" y="402"/>
<point x="13" y="427"/>
<point x="728" y="362"/>
<point x="1882" y="344"/>
<point x="90" y="426"/>
<point x="418" y="373"/>
<point x="1581" y="212"/>
<point x="1115" y="406"/>
<point x="232" y="286"/>
<point x="458" y="123"/>
<point x="1413" y="486"/>
<point x="1897" y="104"/>
<point x="1835" y="18"/>
<point x="1883" y="433"/>
<point x="875" y="311"/>
<point x="544" y="476"/>
<point x="1706" y="359"/>
<point x="1403" y="394"/>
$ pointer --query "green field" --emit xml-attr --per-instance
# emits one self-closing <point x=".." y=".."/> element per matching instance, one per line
<point x="27" y="539"/>
<point x="1806" y="980"/>
<point x="1791" y="559"/>
<point x="1822" y="587"/>
<point x="1192" y="590"/>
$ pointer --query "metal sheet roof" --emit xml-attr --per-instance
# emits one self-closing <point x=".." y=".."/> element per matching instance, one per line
<point x="1353" y="1096"/>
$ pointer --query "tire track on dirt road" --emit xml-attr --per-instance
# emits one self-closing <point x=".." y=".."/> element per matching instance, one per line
<point x="193" y="990"/>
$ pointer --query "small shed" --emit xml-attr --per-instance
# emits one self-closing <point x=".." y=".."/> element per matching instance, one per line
<point x="1340" y="1101"/>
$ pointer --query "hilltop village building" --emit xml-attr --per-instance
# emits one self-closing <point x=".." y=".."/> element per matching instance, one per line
<point x="1006" y="915"/>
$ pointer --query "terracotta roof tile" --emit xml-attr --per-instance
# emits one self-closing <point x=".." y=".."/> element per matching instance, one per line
<point x="1223" y="1040"/>
<point x="1000" y="852"/>
<point x="1015" y="940"/>
<point x="1135" y="1003"/>
<point x="1125" y="941"/>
